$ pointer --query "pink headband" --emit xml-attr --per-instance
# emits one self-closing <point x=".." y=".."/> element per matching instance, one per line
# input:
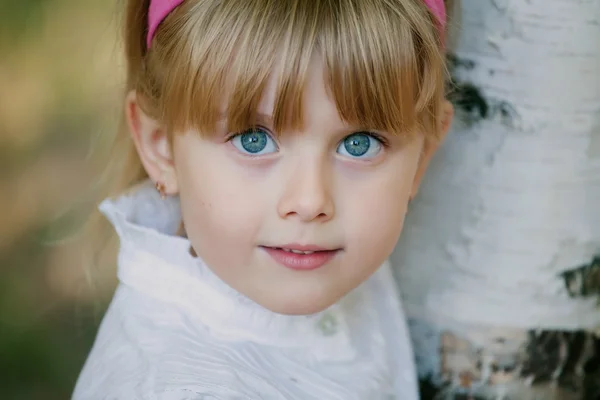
<point x="438" y="8"/>
<point x="159" y="9"/>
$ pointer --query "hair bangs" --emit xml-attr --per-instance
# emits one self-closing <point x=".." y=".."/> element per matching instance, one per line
<point x="286" y="54"/>
<point x="389" y="82"/>
<point x="227" y="52"/>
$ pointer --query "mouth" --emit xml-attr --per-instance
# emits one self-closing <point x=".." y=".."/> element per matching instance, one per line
<point x="301" y="257"/>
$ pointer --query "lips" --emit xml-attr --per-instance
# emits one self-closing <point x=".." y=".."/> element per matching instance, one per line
<point x="295" y="251"/>
<point x="301" y="257"/>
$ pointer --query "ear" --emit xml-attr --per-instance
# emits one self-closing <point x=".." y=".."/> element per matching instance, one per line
<point x="431" y="147"/>
<point x="152" y="144"/>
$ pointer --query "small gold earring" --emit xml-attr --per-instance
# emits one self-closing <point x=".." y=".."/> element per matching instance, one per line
<point x="160" y="188"/>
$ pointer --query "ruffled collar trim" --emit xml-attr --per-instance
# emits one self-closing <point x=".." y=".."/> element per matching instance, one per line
<point x="157" y="262"/>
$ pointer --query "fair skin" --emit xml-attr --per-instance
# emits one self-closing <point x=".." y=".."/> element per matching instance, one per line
<point x="309" y="187"/>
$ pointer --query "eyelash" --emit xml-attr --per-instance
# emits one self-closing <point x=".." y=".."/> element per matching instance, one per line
<point x="232" y="135"/>
<point x="384" y="142"/>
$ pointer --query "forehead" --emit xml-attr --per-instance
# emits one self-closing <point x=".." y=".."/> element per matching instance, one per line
<point x="316" y="97"/>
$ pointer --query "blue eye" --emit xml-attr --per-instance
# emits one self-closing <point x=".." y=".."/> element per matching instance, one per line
<point x="254" y="142"/>
<point x="360" y="145"/>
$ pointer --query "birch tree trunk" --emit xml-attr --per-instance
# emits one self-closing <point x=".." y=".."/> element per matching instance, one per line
<point x="499" y="263"/>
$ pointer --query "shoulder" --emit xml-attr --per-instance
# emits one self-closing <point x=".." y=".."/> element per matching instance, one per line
<point x="180" y="394"/>
<point x="147" y="351"/>
<point x="209" y="387"/>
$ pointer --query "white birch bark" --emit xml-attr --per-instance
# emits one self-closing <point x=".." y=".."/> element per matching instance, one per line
<point x="500" y="242"/>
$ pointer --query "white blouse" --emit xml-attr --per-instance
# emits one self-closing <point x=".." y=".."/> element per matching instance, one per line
<point x="175" y="331"/>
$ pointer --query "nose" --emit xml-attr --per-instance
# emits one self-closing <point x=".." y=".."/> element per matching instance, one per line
<point x="307" y="193"/>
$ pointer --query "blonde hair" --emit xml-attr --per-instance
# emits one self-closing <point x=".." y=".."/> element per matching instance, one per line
<point x="383" y="62"/>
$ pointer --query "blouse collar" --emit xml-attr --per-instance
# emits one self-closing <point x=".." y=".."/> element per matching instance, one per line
<point x="156" y="262"/>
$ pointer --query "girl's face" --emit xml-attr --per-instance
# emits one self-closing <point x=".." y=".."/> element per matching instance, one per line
<point x="331" y="192"/>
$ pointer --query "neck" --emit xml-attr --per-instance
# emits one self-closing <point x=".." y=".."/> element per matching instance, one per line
<point x="181" y="232"/>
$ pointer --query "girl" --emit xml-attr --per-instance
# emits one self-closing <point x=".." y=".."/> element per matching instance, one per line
<point x="280" y="141"/>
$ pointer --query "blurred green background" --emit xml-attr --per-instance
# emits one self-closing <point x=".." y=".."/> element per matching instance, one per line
<point x="60" y="86"/>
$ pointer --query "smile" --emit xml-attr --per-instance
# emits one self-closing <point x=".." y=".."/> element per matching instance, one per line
<point x="295" y="251"/>
<point x="303" y="258"/>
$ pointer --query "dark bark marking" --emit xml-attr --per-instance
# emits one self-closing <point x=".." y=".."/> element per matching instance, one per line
<point x="566" y="363"/>
<point x="584" y="280"/>
<point x="455" y="61"/>
<point x="471" y="100"/>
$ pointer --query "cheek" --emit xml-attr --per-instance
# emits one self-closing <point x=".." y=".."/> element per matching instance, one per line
<point x="375" y="211"/>
<point x="377" y="214"/>
<point x="210" y="187"/>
